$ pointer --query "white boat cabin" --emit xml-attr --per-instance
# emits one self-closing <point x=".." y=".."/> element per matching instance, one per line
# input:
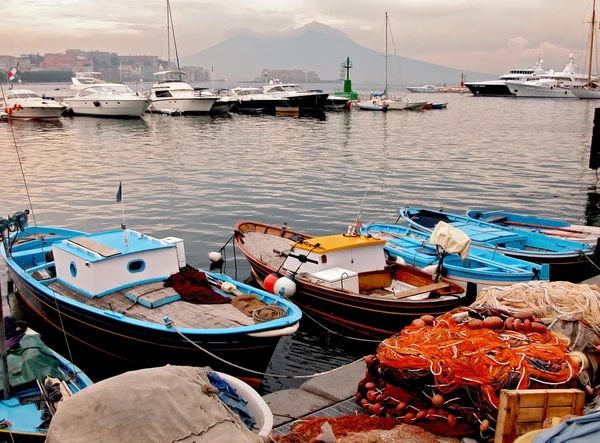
<point x="99" y="264"/>
<point x="337" y="260"/>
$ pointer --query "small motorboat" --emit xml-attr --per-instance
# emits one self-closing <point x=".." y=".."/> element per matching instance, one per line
<point x="40" y="381"/>
<point x="439" y="105"/>
<point x="546" y="226"/>
<point x="134" y="297"/>
<point x="568" y="260"/>
<point x="482" y="267"/>
<point x="427" y="106"/>
<point x="28" y="105"/>
<point x="287" y="110"/>
<point x="424" y="88"/>
<point x="374" y="105"/>
<point x="345" y="278"/>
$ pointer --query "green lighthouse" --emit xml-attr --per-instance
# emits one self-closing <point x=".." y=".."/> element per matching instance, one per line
<point x="347" y="82"/>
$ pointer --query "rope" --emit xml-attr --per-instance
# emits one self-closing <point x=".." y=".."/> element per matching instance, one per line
<point x="170" y="324"/>
<point x="268" y="313"/>
<point x="12" y="131"/>
<point x="591" y="261"/>
<point x="62" y="326"/>
<point x="367" y="340"/>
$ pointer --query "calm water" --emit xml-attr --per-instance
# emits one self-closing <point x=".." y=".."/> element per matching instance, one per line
<point x="194" y="177"/>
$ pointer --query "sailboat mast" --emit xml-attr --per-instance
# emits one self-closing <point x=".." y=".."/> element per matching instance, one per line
<point x="592" y="43"/>
<point x="386" y="51"/>
<point x="168" y="36"/>
<point x="170" y="18"/>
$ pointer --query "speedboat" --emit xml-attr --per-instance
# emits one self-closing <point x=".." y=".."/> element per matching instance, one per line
<point x="107" y="100"/>
<point x="498" y="88"/>
<point x="26" y="104"/>
<point x="425" y="88"/>
<point x="170" y="94"/>
<point x="134" y="297"/>
<point x="479" y="266"/>
<point x="294" y="96"/>
<point x="345" y="278"/>
<point x="255" y="101"/>
<point x="551" y="84"/>
<point x="41" y="381"/>
<point x="443" y="105"/>
<point x="568" y="260"/>
<point x="223" y="104"/>
<point x="547" y="226"/>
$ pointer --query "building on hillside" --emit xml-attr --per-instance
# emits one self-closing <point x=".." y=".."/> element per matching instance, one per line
<point x="7" y="62"/>
<point x="288" y="76"/>
<point x="142" y="60"/>
<point x="68" y="60"/>
<point x="196" y="73"/>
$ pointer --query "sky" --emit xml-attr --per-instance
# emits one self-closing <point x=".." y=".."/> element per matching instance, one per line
<point x="478" y="35"/>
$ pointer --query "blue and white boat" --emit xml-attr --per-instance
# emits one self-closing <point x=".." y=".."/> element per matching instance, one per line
<point x="546" y="226"/>
<point x="483" y="267"/>
<point x="33" y="398"/>
<point x="107" y="291"/>
<point x="568" y="260"/>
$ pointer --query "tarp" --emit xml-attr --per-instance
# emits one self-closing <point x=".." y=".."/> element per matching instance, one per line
<point x="31" y="359"/>
<point x="167" y="404"/>
<point x="582" y="429"/>
<point x="451" y="239"/>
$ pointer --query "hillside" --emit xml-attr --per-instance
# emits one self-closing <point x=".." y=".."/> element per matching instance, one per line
<point x="319" y="48"/>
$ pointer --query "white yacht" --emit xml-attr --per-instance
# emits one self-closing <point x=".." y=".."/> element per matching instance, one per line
<point x="108" y="100"/>
<point x="85" y="79"/>
<point x="26" y="104"/>
<point x="295" y="96"/>
<point x="498" y="87"/>
<point x="551" y="84"/>
<point x="424" y="88"/>
<point x="255" y="101"/>
<point x="171" y="94"/>
<point x="223" y="104"/>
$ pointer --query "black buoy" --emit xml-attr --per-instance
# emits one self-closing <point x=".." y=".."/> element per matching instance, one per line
<point x="595" y="148"/>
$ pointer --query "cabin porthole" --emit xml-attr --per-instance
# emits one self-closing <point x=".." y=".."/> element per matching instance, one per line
<point x="73" y="269"/>
<point x="136" y="266"/>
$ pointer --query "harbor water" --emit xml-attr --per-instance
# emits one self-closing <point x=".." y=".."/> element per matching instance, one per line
<point x="195" y="177"/>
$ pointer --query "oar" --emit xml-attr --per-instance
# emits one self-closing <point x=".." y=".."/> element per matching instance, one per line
<point x="532" y="225"/>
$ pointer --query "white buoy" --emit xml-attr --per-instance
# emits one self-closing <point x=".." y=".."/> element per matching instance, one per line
<point x="431" y="269"/>
<point x="285" y="286"/>
<point x="400" y="260"/>
<point x="215" y="257"/>
<point x="227" y="287"/>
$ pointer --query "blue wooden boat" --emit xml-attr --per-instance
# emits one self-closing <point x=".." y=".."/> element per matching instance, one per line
<point x="106" y="291"/>
<point x="483" y="267"/>
<point x="439" y="105"/>
<point x="568" y="260"/>
<point x="26" y="414"/>
<point x="546" y="226"/>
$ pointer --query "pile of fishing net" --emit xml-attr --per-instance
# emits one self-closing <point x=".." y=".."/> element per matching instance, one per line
<point x="445" y="374"/>
<point x="358" y="429"/>
<point x="568" y="308"/>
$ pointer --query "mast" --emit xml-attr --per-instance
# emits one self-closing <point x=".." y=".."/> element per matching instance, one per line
<point x="386" y="52"/>
<point x="168" y="37"/>
<point x="173" y="30"/>
<point x="592" y="44"/>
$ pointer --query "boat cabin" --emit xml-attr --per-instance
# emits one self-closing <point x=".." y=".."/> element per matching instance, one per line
<point x="20" y="94"/>
<point x="99" y="264"/>
<point x="344" y="261"/>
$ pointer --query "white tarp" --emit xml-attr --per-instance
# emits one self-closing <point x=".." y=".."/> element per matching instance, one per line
<point x="453" y="240"/>
<point x="166" y="405"/>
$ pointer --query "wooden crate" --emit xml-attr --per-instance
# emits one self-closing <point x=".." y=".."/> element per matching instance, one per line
<point x="523" y="411"/>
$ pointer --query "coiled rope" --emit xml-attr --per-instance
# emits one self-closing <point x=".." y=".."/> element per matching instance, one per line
<point x="268" y="313"/>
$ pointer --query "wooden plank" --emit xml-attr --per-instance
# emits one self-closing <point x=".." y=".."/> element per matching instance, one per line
<point x="422" y="290"/>
<point x="507" y="413"/>
<point x="529" y="415"/>
<point x="559" y="411"/>
<point x="533" y="399"/>
<point x="94" y="246"/>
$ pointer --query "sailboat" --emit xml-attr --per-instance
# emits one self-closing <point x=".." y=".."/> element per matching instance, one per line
<point x="591" y="90"/>
<point x="381" y="101"/>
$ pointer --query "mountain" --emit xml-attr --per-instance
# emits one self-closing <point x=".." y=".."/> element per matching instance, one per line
<point x="316" y="47"/>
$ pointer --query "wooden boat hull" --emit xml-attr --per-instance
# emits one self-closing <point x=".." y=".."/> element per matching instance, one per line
<point x="370" y="316"/>
<point x="141" y="347"/>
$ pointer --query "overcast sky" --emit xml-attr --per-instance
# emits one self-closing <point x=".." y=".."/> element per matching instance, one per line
<point x="478" y="35"/>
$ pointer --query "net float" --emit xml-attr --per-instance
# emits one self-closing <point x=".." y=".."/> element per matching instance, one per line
<point x="510" y="323"/>
<point x="451" y="420"/>
<point x="540" y="328"/>
<point x="437" y="400"/>
<point x="370" y="385"/>
<point x="492" y="322"/>
<point x="418" y="323"/>
<point x="527" y="325"/>
<point x="428" y="319"/>
<point x="408" y="418"/>
<point x="523" y="315"/>
<point x="485" y="424"/>
<point x="421" y="414"/>
<point x="474" y="324"/>
<point x="518" y="324"/>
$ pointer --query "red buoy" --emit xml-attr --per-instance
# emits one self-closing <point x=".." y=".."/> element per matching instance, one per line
<point x="270" y="281"/>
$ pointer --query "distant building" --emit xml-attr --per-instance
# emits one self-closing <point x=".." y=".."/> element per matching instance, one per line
<point x="68" y="60"/>
<point x="138" y="59"/>
<point x="7" y="62"/>
<point x="196" y="73"/>
<point x="288" y="76"/>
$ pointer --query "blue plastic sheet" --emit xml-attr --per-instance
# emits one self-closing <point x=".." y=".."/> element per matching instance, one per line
<point x="584" y="429"/>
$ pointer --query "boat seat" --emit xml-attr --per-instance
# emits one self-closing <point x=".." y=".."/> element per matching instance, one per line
<point x="152" y="295"/>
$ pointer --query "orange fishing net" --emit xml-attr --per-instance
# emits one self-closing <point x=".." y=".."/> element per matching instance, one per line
<point x="481" y="360"/>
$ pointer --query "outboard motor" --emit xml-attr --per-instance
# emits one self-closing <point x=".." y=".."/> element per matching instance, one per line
<point x="18" y="221"/>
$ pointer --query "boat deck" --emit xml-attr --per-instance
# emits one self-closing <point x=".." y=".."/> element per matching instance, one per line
<point x="184" y="314"/>
<point x="261" y="246"/>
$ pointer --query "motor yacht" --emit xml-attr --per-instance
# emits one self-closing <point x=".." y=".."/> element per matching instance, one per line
<point x="294" y="96"/>
<point x="498" y="87"/>
<point x="255" y="101"/>
<point x="424" y="88"/>
<point x="26" y="104"/>
<point x="85" y="79"/>
<point x="108" y="100"/>
<point x="551" y="84"/>
<point x="171" y="94"/>
<point x="223" y="104"/>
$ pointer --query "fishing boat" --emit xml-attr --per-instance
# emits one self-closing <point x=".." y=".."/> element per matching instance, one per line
<point x="344" y="278"/>
<point x="481" y="267"/>
<point x="547" y="226"/>
<point x="133" y="296"/>
<point x="568" y="260"/>
<point x="40" y="380"/>
<point x="439" y="105"/>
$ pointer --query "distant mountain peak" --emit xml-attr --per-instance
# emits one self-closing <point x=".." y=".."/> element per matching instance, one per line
<point x="313" y="26"/>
